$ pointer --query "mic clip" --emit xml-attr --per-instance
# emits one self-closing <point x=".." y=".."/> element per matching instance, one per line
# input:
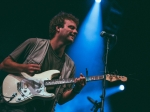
<point x="96" y="105"/>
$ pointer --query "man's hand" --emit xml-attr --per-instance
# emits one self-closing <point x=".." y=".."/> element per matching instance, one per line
<point x="31" y="69"/>
<point x="79" y="83"/>
<point x="9" y="65"/>
<point x="70" y="94"/>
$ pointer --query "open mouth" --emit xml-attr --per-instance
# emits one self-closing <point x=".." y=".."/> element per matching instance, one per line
<point x="72" y="36"/>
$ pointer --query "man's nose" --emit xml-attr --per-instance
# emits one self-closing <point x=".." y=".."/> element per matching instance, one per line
<point x="75" y="32"/>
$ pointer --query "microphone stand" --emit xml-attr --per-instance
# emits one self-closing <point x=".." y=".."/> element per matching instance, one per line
<point x="109" y="38"/>
<point x="96" y="105"/>
<point x="104" y="79"/>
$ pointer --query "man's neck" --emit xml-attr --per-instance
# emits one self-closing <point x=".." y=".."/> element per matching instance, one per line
<point x="58" y="46"/>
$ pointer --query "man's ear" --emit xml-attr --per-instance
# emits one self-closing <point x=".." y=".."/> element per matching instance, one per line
<point x="57" y="28"/>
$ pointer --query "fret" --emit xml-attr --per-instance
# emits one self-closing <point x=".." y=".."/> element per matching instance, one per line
<point x="94" y="78"/>
<point x="58" y="81"/>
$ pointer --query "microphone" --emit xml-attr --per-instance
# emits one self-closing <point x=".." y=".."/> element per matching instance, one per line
<point x="91" y="100"/>
<point x="104" y="34"/>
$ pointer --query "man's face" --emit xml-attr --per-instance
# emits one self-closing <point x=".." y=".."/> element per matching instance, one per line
<point x="68" y="32"/>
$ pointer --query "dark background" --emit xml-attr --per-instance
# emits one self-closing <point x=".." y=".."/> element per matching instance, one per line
<point x="20" y="20"/>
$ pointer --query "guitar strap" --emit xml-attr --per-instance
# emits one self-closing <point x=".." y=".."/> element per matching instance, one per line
<point x="66" y="72"/>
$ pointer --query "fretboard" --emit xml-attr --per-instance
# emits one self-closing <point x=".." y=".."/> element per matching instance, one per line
<point x="70" y="80"/>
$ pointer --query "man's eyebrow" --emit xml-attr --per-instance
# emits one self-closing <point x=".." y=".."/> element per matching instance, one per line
<point x="72" y="26"/>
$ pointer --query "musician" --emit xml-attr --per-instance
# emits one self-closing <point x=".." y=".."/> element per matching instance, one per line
<point x="37" y="55"/>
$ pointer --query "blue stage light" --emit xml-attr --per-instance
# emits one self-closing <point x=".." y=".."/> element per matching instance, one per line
<point x="97" y="1"/>
<point x="121" y="87"/>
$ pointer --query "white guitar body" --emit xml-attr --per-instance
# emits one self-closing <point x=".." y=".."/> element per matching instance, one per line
<point x="24" y="88"/>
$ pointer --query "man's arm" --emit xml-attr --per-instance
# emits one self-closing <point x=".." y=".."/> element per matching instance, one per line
<point x="0" y="67"/>
<point x="70" y="94"/>
<point x="9" y="65"/>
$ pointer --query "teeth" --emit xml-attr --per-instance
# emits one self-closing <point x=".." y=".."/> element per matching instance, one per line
<point x="72" y="37"/>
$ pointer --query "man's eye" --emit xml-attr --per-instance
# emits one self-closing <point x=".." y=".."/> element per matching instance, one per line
<point x="71" y="27"/>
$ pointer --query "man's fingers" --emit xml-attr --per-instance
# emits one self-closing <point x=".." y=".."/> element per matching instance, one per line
<point x="82" y="78"/>
<point x="80" y="81"/>
<point x="81" y="75"/>
<point x="35" y="65"/>
<point x="34" y="68"/>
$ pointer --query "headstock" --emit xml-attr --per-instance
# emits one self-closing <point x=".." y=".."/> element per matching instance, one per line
<point x="113" y="78"/>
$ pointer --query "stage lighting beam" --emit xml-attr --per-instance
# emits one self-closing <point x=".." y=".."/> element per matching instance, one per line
<point x="97" y="1"/>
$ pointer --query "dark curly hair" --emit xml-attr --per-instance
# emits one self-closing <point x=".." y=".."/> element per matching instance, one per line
<point x="59" y="20"/>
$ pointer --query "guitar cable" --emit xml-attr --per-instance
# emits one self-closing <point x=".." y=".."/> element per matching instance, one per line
<point x="2" y="96"/>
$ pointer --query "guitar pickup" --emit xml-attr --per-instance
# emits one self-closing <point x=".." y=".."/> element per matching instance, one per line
<point x="19" y="86"/>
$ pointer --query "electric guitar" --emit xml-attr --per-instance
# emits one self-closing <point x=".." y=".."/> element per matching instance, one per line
<point x="20" y="89"/>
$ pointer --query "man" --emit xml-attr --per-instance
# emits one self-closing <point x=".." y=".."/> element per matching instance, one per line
<point x="38" y="55"/>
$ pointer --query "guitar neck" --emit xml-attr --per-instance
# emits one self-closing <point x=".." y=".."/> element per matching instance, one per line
<point x="70" y="80"/>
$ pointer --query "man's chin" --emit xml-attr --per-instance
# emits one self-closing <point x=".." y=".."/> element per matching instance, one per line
<point x="70" y="41"/>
